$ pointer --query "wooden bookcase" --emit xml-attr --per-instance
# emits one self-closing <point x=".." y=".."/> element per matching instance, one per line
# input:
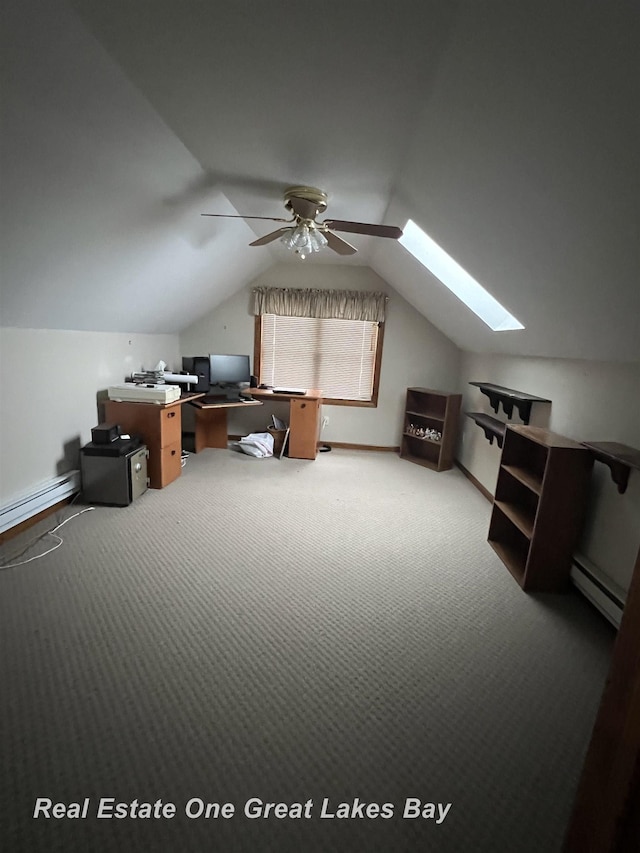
<point x="435" y="410"/>
<point x="538" y="507"/>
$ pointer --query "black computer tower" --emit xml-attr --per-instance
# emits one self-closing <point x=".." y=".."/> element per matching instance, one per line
<point x="197" y="365"/>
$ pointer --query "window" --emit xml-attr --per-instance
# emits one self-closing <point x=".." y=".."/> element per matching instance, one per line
<point x="457" y="279"/>
<point x="340" y="357"/>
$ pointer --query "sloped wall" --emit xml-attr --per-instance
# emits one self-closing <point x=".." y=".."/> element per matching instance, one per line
<point x="100" y="221"/>
<point x="524" y="168"/>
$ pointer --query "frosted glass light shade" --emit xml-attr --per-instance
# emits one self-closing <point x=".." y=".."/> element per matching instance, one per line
<point x="304" y="239"/>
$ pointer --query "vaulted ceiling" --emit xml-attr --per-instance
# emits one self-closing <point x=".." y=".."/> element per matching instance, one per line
<point x="508" y="131"/>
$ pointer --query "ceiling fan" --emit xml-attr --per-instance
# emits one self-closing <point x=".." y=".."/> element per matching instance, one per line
<point x="303" y="234"/>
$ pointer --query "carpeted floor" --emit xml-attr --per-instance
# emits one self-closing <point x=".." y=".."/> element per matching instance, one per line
<point x="336" y="631"/>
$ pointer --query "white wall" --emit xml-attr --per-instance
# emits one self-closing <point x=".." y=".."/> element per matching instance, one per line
<point x="414" y="352"/>
<point x="49" y="381"/>
<point x="591" y="401"/>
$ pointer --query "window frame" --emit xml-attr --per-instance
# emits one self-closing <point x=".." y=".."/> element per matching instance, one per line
<point x="330" y="401"/>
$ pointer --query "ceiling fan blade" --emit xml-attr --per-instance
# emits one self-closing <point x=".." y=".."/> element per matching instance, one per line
<point x="338" y="244"/>
<point x="269" y="238"/>
<point x="364" y="228"/>
<point x="233" y="216"/>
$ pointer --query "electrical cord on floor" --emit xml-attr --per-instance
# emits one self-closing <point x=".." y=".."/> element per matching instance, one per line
<point x="52" y="533"/>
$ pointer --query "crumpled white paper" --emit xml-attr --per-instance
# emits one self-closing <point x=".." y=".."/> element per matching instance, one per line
<point x="258" y="444"/>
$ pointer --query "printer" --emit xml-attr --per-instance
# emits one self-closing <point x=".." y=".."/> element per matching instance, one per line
<point x="148" y="392"/>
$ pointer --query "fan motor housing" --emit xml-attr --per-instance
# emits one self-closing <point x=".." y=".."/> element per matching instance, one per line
<point x="311" y="194"/>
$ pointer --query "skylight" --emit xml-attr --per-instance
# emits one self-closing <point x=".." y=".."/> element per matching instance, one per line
<point x="458" y="280"/>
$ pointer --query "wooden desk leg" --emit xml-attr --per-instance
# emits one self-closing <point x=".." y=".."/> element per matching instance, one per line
<point x="304" y="421"/>
<point x="211" y="429"/>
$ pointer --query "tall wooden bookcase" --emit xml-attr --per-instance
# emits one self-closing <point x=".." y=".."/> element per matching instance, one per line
<point x="431" y="410"/>
<point x="539" y="505"/>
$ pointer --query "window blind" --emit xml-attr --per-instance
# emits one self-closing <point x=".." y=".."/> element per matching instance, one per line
<point x="336" y="356"/>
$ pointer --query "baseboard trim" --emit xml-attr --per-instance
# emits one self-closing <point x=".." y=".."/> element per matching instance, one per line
<point x="485" y="492"/>
<point x="41" y="497"/>
<point x="599" y="589"/>
<point x="6" y="535"/>
<point x="345" y="445"/>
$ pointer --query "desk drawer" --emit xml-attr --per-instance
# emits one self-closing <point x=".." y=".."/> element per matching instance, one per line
<point x="304" y="421"/>
<point x="165" y="466"/>
<point x="170" y="424"/>
<point x="158" y="427"/>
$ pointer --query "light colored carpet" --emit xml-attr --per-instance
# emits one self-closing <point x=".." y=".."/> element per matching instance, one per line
<point x="293" y="630"/>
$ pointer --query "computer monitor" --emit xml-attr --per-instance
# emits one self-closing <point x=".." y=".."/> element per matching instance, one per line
<point x="230" y="373"/>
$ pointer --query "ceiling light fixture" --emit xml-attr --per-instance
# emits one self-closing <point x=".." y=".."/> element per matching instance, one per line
<point x="304" y="239"/>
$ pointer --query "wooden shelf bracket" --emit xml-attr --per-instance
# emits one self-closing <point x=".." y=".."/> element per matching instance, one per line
<point x="509" y="398"/>
<point x="492" y="427"/>
<point x="619" y="458"/>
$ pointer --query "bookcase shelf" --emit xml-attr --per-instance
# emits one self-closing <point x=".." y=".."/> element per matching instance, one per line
<point x="529" y="479"/>
<point x="431" y="415"/>
<point x="514" y="558"/>
<point x="434" y="410"/>
<point x="430" y="440"/>
<point x="519" y="516"/>
<point x="539" y="506"/>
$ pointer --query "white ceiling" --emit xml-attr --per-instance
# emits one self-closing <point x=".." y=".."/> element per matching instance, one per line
<point x="509" y="131"/>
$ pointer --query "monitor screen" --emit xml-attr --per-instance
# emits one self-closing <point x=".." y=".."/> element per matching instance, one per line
<point x="229" y="369"/>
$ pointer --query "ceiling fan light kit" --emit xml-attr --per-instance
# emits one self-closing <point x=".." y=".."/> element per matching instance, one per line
<point x="304" y="239"/>
<point x="306" y="235"/>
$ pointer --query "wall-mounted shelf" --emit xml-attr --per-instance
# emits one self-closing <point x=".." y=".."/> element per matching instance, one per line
<point x="492" y="427"/>
<point x="509" y="398"/>
<point x="619" y="457"/>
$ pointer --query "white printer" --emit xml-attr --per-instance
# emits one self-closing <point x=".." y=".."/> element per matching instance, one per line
<point x="131" y="392"/>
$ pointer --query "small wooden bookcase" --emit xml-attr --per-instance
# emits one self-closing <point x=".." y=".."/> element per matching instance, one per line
<point x="539" y="505"/>
<point x="430" y="410"/>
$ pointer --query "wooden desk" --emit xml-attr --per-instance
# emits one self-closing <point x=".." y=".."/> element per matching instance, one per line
<point x="304" y="421"/>
<point x="160" y="425"/>
<point x="211" y="423"/>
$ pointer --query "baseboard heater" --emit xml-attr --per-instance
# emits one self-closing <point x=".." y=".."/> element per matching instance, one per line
<point x="41" y="498"/>
<point x="601" y="591"/>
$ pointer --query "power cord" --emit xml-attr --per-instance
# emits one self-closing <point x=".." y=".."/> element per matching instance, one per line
<point x="52" y="533"/>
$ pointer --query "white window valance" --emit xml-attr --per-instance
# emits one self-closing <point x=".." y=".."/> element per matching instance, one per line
<point x="323" y="304"/>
